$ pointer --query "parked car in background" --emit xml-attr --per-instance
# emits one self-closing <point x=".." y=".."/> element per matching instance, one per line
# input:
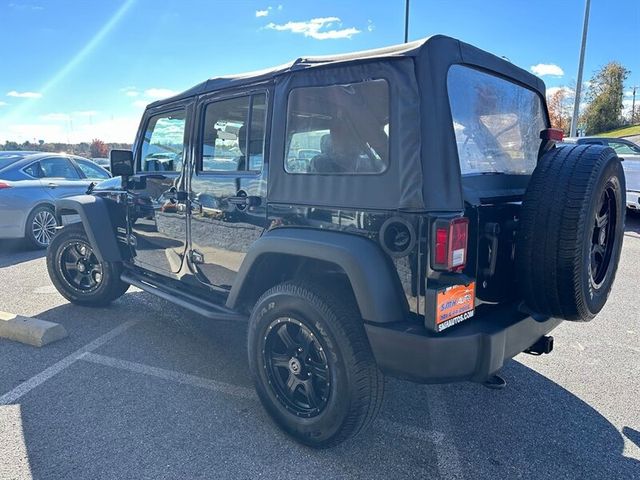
<point x="30" y="182"/>
<point x="627" y="151"/>
<point x="103" y="162"/>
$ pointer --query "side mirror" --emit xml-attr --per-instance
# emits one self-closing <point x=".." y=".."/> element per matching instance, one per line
<point x="121" y="163"/>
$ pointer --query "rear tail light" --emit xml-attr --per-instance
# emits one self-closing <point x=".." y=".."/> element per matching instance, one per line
<point x="449" y="245"/>
<point x="4" y="185"/>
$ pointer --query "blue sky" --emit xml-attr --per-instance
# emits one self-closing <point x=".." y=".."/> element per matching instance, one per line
<point x="72" y="70"/>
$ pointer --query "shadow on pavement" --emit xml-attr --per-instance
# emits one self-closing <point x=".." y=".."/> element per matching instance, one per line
<point x="13" y="252"/>
<point x="632" y="223"/>
<point x="95" y="421"/>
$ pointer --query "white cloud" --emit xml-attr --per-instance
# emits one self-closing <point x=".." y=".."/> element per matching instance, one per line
<point x="262" y="13"/>
<point x="132" y="93"/>
<point x="140" y="103"/>
<point x="14" y="93"/>
<point x="543" y="69"/>
<point x="569" y="92"/>
<point x="2" y="104"/>
<point x="312" y="28"/>
<point x="55" y="117"/>
<point x="370" y="26"/>
<point x="159" y="93"/>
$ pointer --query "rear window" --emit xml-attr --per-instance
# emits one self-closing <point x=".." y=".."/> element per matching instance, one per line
<point x="497" y="123"/>
<point x="338" y="129"/>
<point x="7" y="158"/>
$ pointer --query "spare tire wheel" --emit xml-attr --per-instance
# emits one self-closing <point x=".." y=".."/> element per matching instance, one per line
<point x="571" y="230"/>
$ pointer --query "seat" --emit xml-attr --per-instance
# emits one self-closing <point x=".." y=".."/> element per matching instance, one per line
<point x="255" y="145"/>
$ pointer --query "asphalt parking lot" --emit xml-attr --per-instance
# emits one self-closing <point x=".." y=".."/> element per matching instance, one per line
<point x="144" y="389"/>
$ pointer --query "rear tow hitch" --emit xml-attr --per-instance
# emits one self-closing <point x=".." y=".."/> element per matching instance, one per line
<point x="543" y="345"/>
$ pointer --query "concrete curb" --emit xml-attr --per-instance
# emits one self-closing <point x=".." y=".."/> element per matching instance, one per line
<point x="31" y="331"/>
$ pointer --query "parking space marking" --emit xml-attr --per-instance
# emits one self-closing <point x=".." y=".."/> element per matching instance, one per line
<point x="28" y="385"/>
<point x="171" y="375"/>
<point x="448" y="459"/>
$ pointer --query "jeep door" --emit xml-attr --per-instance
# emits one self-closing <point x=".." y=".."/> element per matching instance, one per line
<point x="157" y="218"/>
<point x="228" y="184"/>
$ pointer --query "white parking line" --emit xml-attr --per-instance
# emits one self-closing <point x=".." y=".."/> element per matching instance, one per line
<point x="33" y="382"/>
<point x="171" y="375"/>
<point x="448" y="459"/>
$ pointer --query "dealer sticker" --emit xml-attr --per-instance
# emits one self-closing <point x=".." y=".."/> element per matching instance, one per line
<point x="454" y="305"/>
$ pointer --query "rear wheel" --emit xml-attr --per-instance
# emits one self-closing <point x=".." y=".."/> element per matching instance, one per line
<point x="312" y="364"/>
<point x="571" y="231"/>
<point x="41" y="226"/>
<point x="78" y="274"/>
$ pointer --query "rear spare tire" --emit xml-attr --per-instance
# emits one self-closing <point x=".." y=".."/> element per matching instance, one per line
<point x="571" y="230"/>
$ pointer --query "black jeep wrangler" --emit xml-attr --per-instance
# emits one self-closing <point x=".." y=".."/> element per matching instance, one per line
<point x="401" y="211"/>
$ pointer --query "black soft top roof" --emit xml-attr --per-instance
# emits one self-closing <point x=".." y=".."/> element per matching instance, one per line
<point x="424" y="171"/>
<point x="434" y="46"/>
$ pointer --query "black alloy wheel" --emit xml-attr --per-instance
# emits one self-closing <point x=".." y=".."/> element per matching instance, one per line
<point x="79" y="266"/>
<point x="602" y="237"/>
<point x="296" y="366"/>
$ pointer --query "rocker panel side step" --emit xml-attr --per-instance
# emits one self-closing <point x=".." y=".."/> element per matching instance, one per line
<point x="183" y="299"/>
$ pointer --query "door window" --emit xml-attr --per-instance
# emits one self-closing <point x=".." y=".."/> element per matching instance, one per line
<point x="228" y="144"/>
<point x="58" y="168"/>
<point x="163" y="145"/>
<point x="91" y="171"/>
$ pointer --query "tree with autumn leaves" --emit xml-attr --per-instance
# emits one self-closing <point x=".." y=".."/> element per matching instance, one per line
<point x="98" y="149"/>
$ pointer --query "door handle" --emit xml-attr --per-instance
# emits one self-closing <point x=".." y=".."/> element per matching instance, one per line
<point x="52" y="185"/>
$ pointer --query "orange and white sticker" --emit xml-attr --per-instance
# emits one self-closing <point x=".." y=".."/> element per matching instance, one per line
<point x="454" y="305"/>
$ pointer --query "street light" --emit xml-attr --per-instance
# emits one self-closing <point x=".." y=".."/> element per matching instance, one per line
<point x="576" y="103"/>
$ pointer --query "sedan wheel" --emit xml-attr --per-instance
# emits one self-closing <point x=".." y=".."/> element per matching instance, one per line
<point x="41" y="226"/>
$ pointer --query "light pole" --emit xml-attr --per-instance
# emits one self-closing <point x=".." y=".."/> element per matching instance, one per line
<point x="406" y="21"/>
<point x="633" y="106"/>
<point x="576" y="103"/>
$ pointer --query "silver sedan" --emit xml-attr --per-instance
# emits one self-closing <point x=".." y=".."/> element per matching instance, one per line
<point x="30" y="182"/>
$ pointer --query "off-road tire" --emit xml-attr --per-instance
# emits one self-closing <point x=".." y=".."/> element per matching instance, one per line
<point x="558" y="228"/>
<point x="356" y="384"/>
<point x="110" y="286"/>
<point x="36" y="213"/>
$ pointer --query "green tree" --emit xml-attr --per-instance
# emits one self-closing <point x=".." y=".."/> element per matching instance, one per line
<point x="604" y="111"/>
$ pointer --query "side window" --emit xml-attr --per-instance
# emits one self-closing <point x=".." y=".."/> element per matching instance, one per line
<point x="338" y="129"/>
<point x="34" y="170"/>
<point x="163" y="145"/>
<point x="623" y="148"/>
<point x="91" y="171"/>
<point x="58" y="168"/>
<point x="497" y="123"/>
<point x="228" y="144"/>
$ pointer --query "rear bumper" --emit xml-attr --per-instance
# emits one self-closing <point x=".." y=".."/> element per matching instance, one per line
<point x="473" y="350"/>
<point x="633" y="200"/>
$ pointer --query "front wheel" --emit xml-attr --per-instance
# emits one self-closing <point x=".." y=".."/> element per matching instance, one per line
<point x="78" y="274"/>
<point x="312" y="365"/>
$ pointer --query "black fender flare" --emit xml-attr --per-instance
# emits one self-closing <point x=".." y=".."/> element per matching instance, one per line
<point x="94" y="214"/>
<point x="373" y="277"/>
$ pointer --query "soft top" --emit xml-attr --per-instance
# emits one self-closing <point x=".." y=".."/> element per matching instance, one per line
<point x="424" y="171"/>
<point x="436" y="45"/>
